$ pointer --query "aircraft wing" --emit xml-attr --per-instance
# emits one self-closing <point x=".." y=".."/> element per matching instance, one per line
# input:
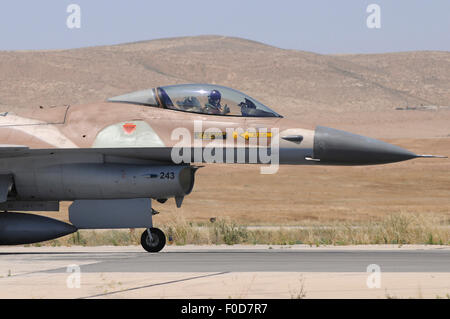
<point x="157" y="154"/>
<point x="162" y="154"/>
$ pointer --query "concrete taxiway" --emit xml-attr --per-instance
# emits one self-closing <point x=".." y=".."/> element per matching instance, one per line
<point x="225" y="272"/>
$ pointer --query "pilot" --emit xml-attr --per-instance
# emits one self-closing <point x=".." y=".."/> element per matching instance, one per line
<point x="213" y="106"/>
<point x="248" y="108"/>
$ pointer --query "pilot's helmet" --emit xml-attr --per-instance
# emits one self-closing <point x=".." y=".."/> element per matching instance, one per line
<point x="214" y="97"/>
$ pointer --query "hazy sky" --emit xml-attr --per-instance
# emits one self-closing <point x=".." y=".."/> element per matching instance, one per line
<point x="323" y="26"/>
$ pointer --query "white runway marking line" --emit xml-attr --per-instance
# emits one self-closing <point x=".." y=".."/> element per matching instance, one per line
<point x="14" y="272"/>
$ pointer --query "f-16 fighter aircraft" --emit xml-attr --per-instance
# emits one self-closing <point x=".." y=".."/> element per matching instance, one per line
<point x="112" y="158"/>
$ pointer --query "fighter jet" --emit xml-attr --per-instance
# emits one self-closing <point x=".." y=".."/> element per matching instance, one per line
<point x="112" y="158"/>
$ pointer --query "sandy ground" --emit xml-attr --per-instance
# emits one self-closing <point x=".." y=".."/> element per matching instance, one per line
<point x="229" y="285"/>
<point x="25" y="272"/>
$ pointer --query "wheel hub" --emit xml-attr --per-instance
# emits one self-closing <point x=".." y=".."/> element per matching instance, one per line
<point x="154" y="241"/>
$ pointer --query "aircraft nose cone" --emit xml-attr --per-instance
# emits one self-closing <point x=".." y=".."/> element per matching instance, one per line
<point x="340" y="147"/>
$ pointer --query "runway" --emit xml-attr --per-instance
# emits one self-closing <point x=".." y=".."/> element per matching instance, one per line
<point x="222" y="270"/>
<point x="248" y="260"/>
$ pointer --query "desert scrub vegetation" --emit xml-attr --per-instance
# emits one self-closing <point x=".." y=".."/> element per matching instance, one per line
<point x="222" y="231"/>
<point x="397" y="228"/>
<point x="394" y="229"/>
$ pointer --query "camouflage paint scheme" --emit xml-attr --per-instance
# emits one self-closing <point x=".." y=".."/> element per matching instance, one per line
<point x="104" y="125"/>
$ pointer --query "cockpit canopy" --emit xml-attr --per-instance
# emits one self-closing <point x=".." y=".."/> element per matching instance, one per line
<point x="199" y="98"/>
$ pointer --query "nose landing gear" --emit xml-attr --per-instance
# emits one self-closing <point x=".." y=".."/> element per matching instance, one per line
<point x="153" y="240"/>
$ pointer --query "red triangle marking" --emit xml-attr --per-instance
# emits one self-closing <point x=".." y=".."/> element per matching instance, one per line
<point x="129" y="128"/>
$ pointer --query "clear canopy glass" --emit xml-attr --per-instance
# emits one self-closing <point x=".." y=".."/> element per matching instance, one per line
<point x="211" y="99"/>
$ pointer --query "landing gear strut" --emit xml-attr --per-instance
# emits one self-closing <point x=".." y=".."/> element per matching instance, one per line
<point x="153" y="240"/>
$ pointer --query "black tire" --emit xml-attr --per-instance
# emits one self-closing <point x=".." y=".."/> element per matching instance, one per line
<point x="158" y="240"/>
